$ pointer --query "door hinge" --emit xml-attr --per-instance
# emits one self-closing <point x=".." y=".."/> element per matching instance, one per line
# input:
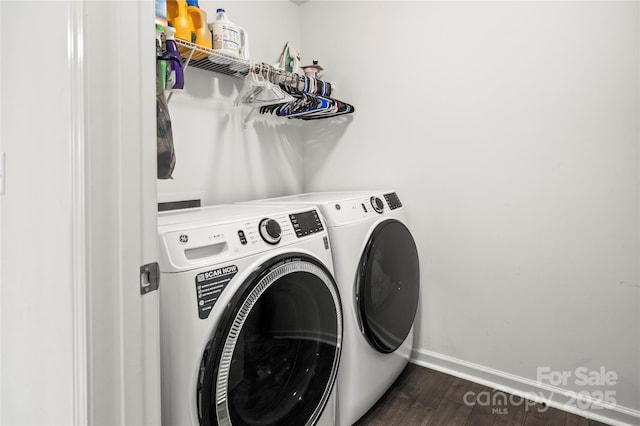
<point x="149" y="277"/>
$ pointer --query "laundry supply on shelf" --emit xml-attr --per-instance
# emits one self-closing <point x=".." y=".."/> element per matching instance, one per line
<point x="159" y="58"/>
<point x="174" y="71"/>
<point x="289" y="59"/>
<point x="228" y="38"/>
<point x="201" y="34"/>
<point x="314" y="70"/>
<point x="190" y="23"/>
<point x="178" y="18"/>
<point x="161" y="12"/>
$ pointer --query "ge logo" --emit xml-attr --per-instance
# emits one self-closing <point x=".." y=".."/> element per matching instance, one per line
<point x="183" y="238"/>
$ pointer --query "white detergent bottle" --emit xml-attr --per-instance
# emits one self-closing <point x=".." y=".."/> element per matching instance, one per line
<point x="228" y="38"/>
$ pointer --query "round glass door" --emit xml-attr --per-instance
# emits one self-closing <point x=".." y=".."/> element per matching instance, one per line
<point x="275" y="360"/>
<point x="388" y="286"/>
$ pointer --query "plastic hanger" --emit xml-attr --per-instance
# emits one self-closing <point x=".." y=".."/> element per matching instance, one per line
<point x="258" y="90"/>
<point x="311" y="100"/>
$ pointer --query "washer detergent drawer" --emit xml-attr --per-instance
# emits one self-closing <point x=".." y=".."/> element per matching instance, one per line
<point x="196" y="254"/>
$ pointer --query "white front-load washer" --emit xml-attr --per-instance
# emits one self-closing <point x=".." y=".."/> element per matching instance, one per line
<point x="251" y="319"/>
<point x="377" y="271"/>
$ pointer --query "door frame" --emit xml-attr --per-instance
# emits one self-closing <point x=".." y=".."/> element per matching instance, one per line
<point x="78" y="214"/>
<point x="118" y="168"/>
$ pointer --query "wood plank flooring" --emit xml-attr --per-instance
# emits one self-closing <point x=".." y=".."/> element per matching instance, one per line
<point x="421" y="397"/>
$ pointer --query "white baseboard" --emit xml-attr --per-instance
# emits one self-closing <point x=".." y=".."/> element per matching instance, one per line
<point x="530" y="389"/>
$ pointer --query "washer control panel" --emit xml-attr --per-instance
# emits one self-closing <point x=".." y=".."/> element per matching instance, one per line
<point x="211" y="238"/>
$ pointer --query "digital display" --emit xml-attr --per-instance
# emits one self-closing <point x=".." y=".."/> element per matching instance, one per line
<point x="306" y="223"/>
<point x="393" y="200"/>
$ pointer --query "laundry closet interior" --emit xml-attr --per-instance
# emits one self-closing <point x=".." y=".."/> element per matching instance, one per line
<point x="509" y="131"/>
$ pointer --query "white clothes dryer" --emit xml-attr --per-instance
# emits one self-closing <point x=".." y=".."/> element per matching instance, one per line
<point x="251" y="320"/>
<point x="377" y="271"/>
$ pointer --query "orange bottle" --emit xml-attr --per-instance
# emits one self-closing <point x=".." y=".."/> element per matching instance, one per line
<point x="178" y="17"/>
<point x="201" y="35"/>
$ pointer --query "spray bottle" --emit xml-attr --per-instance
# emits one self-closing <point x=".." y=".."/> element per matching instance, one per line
<point x="175" y="73"/>
<point x="162" y="64"/>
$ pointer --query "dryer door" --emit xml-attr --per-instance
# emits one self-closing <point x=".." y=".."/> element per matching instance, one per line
<point x="388" y="286"/>
<point x="275" y="358"/>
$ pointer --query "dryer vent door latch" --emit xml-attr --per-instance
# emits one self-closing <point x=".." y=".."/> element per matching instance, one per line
<point x="149" y="277"/>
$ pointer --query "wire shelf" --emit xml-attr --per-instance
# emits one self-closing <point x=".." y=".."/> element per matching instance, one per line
<point x="210" y="60"/>
<point x="214" y="61"/>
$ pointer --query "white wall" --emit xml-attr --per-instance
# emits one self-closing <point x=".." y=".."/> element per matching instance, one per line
<point x="510" y="130"/>
<point x="219" y="157"/>
<point x="36" y="360"/>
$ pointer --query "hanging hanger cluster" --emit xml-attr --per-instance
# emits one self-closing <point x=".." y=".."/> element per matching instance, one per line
<point x="287" y="94"/>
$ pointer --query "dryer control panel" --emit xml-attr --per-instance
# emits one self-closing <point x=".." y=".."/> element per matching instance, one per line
<point x="364" y="207"/>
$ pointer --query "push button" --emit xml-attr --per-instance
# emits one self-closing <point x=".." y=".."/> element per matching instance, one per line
<point x="243" y="238"/>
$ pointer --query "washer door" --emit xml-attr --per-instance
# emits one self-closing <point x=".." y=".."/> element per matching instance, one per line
<point x="388" y="285"/>
<point x="275" y="357"/>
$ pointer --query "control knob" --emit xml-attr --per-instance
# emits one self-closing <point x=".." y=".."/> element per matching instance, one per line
<point x="377" y="204"/>
<point x="270" y="231"/>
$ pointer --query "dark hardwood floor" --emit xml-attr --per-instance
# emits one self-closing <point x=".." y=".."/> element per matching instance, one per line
<point x="421" y="396"/>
